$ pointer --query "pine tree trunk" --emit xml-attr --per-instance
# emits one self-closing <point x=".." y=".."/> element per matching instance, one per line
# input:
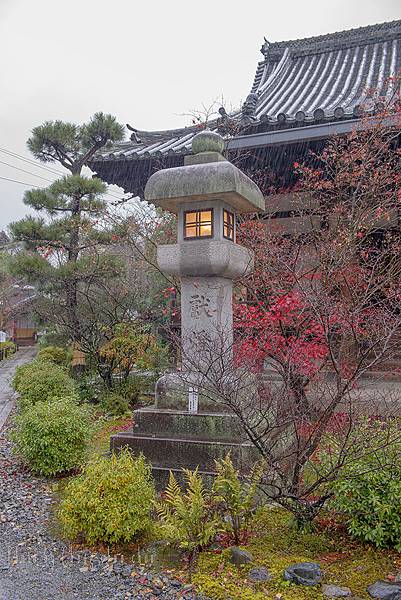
<point x="72" y="285"/>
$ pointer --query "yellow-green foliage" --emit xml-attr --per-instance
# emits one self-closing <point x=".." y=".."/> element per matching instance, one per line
<point x="6" y="349"/>
<point x="52" y="436"/>
<point x="276" y="545"/>
<point x="188" y="517"/>
<point x="131" y="345"/>
<point x="234" y="498"/>
<point x="41" y="381"/>
<point x="111" y="501"/>
<point x="54" y="354"/>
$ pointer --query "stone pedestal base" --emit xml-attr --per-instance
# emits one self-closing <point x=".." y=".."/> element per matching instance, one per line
<point x="174" y="439"/>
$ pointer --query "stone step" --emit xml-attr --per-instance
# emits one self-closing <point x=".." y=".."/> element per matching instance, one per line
<point x="170" y="423"/>
<point x="164" y="453"/>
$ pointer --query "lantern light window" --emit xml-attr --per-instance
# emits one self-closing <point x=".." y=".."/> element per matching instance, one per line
<point x="198" y="224"/>
<point x="228" y="225"/>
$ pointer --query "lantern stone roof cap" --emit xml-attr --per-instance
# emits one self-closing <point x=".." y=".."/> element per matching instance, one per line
<point x="205" y="181"/>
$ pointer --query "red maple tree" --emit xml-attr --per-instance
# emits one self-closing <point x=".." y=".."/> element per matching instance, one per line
<point x="320" y="315"/>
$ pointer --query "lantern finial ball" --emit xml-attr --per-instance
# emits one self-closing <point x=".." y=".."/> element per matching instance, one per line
<point x="207" y="141"/>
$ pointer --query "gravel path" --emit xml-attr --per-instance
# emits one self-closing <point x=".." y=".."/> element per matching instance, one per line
<point x="34" y="565"/>
<point x="7" y="369"/>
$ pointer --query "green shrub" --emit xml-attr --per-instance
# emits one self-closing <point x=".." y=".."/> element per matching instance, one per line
<point x="54" y="354"/>
<point x="6" y="349"/>
<point x="89" y="388"/>
<point x="52" y="436"/>
<point x="368" y="493"/>
<point x="131" y="389"/>
<point x="40" y="381"/>
<point x="235" y="499"/>
<point x="114" y="404"/>
<point x="111" y="501"/>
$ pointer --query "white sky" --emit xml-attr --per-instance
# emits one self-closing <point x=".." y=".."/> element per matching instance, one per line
<point x="146" y="62"/>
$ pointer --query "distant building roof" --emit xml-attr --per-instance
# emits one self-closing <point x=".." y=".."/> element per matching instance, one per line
<point x="298" y="83"/>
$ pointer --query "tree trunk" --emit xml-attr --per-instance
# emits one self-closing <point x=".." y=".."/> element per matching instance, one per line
<point x="73" y="255"/>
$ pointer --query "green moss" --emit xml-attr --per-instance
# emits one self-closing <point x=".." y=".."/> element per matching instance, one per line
<point x="276" y="545"/>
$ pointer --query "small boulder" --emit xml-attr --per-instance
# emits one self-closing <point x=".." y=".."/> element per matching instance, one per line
<point x="259" y="575"/>
<point x="307" y="573"/>
<point x="240" y="557"/>
<point x="385" y="590"/>
<point x="335" y="591"/>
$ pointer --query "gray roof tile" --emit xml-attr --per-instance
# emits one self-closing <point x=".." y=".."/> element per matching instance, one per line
<point x="326" y="73"/>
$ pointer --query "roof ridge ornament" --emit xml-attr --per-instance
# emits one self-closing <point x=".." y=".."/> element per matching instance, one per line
<point x="265" y="48"/>
<point x="248" y="109"/>
<point x="134" y="135"/>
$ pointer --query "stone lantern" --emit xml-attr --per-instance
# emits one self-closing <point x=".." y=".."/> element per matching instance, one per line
<point x="206" y="194"/>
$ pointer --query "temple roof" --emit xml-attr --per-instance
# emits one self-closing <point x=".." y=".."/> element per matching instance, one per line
<point x="326" y="72"/>
<point x="298" y="83"/>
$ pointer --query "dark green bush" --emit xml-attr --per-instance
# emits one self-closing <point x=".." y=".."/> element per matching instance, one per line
<point x="136" y="388"/>
<point x="52" y="436"/>
<point x="54" y="354"/>
<point x="89" y="388"/>
<point x="111" y="501"/>
<point x="114" y="404"/>
<point x="368" y="491"/>
<point x="40" y="381"/>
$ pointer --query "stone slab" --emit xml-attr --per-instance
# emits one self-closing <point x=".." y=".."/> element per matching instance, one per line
<point x="181" y="453"/>
<point x="161" y="476"/>
<point x="168" y="423"/>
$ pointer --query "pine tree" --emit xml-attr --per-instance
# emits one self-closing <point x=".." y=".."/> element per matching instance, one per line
<point x="64" y="246"/>
<point x="73" y="145"/>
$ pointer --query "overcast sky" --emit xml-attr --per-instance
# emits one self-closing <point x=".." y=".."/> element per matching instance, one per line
<point x="147" y="62"/>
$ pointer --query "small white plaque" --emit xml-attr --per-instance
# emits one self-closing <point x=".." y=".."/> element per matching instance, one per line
<point x="193" y="399"/>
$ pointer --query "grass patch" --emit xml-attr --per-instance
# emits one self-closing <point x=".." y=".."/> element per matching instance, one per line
<point x="100" y="442"/>
<point x="276" y="545"/>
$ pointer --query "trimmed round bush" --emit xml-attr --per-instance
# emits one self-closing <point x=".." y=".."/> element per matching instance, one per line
<point x="52" y="436"/>
<point x="111" y="501"/>
<point x="114" y="404"/>
<point x="40" y="381"/>
<point x="54" y="354"/>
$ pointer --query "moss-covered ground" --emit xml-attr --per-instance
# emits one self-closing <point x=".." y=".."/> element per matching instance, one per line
<point x="105" y="428"/>
<point x="275" y="544"/>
